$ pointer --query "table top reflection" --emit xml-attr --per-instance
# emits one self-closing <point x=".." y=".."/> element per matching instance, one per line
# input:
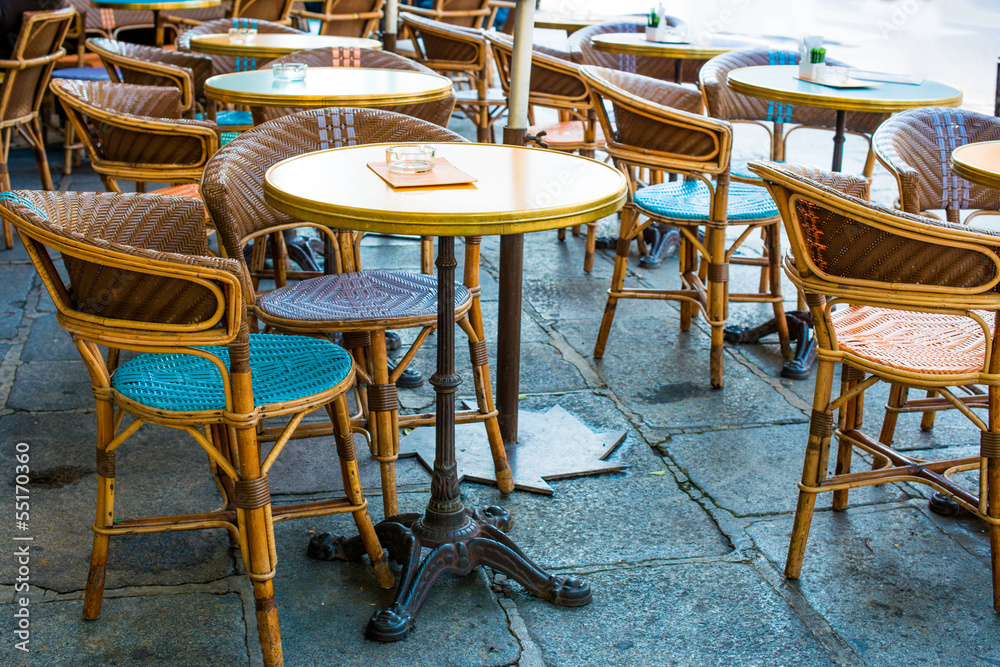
<point x="275" y="44"/>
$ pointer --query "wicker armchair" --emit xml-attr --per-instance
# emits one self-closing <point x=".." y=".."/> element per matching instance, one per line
<point x="136" y="133"/>
<point x="918" y="304"/>
<point x="23" y="79"/>
<point x="463" y="13"/>
<point x="227" y="64"/>
<point x="350" y="18"/>
<point x="724" y="103"/>
<point x="109" y="23"/>
<point x="657" y="125"/>
<point x="139" y="279"/>
<point x="277" y="11"/>
<point x="557" y="84"/>
<point x="462" y="53"/>
<point x="659" y="68"/>
<point x="361" y="304"/>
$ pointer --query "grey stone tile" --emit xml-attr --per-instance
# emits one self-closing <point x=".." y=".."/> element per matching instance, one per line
<point x="14" y="288"/>
<point x="874" y="573"/>
<point x="51" y="385"/>
<point x="47" y="341"/>
<point x="713" y="613"/>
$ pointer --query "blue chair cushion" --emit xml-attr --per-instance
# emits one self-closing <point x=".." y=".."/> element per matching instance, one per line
<point x="227" y="118"/>
<point x="229" y="136"/>
<point x="284" y="368"/>
<point x="690" y="200"/>
<point x="82" y="74"/>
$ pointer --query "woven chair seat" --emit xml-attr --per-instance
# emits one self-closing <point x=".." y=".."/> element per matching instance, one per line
<point x="911" y="341"/>
<point x="358" y="296"/>
<point x="690" y="200"/>
<point x="568" y="132"/>
<point x="284" y="368"/>
<point x="82" y="74"/>
<point x="230" y="118"/>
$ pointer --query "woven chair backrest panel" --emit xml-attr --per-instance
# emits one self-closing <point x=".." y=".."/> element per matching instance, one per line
<point x="848" y="184"/>
<point x="920" y="142"/>
<point x="106" y="22"/>
<point x="354" y="27"/>
<point x="40" y="39"/>
<point x="437" y="112"/>
<point x="726" y="104"/>
<point x="664" y="69"/>
<point x="233" y="184"/>
<point x="547" y="79"/>
<point x="844" y="247"/>
<point x="130" y="61"/>
<point x="137" y="147"/>
<point x="267" y="10"/>
<point x="440" y="47"/>
<point x="476" y="21"/>
<point x="141" y="226"/>
<point x="227" y="64"/>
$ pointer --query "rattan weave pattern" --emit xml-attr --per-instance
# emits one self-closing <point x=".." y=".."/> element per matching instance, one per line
<point x="664" y="69"/>
<point x="692" y="200"/>
<point x="227" y="64"/>
<point x="438" y="112"/>
<point x="283" y="368"/>
<point x="356" y="296"/>
<point x="916" y="145"/>
<point x="916" y="342"/>
<point x="131" y="61"/>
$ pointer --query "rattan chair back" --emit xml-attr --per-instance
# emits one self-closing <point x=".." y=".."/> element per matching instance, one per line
<point x="137" y="132"/>
<point x="153" y="66"/>
<point x="262" y="10"/>
<point x="437" y="112"/>
<point x="227" y="64"/>
<point x="916" y="146"/>
<point x="554" y="82"/>
<point x="583" y="52"/>
<point x="108" y="23"/>
<point x="350" y="18"/>
<point x="447" y="48"/>
<point x="463" y="13"/>
<point x="26" y="73"/>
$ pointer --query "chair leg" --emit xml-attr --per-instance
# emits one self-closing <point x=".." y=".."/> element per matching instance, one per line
<point x="8" y="230"/>
<point x="94" y="595"/>
<point x="897" y="397"/>
<point x="341" y="419"/>
<point x="628" y="220"/>
<point x="718" y="300"/>
<point x="383" y="412"/>
<point x="927" y="419"/>
<point x="588" y="256"/>
<point x="33" y="133"/>
<point x="772" y="246"/>
<point x="687" y="260"/>
<point x="849" y="418"/>
<point x="427" y="255"/>
<point x="812" y="472"/>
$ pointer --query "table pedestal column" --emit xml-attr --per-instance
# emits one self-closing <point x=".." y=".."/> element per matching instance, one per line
<point x="458" y="539"/>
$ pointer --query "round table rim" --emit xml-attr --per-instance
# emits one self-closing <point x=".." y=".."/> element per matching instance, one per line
<point x="199" y="44"/>
<point x="985" y="177"/>
<point x="330" y="99"/>
<point x="833" y="101"/>
<point x="156" y="4"/>
<point x="686" y="50"/>
<point x="489" y="223"/>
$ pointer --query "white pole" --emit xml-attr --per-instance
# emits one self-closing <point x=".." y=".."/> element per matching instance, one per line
<point x="520" y="70"/>
<point x="391" y="16"/>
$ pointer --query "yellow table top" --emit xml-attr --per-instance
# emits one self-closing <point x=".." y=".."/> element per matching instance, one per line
<point x="329" y="86"/>
<point x="636" y="44"/>
<point x="276" y="44"/>
<point x="978" y="162"/>
<point x="778" y="83"/>
<point x="518" y="190"/>
<point x="155" y="4"/>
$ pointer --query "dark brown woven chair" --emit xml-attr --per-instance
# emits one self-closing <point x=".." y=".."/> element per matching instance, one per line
<point x="227" y="64"/>
<point x="557" y="84"/>
<point x="659" y="68"/>
<point x="350" y="18"/>
<point x="724" y="103"/>
<point x="23" y="80"/>
<point x="658" y="126"/>
<point x="917" y="305"/>
<point x="136" y="133"/>
<point x="101" y="22"/>
<point x="276" y="11"/>
<point x="360" y="304"/>
<point x="140" y="280"/>
<point x="462" y="13"/>
<point x="463" y="54"/>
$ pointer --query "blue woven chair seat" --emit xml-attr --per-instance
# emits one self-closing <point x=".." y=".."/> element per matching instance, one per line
<point x="230" y="118"/>
<point x="226" y="137"/>
<point x="690" y="200"/>
<point x="82" y="74"/>
<point x="358" y="296"/>
<point x="284" y="368"/>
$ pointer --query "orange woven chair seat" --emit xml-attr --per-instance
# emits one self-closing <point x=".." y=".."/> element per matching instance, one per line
<point x="911" y="341"/>
<point x="568" y="133"/>
<point x="181" y="190"/>
<point x="358" y="296"/>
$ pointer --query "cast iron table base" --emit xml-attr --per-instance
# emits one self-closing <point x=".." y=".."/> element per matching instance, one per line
<point x="799" y="330"/>
<point x="459" y="539"/>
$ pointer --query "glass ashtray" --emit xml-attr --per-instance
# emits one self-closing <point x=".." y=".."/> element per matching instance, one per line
<point x="289" y="71"/>
<point x="410" y="158"/>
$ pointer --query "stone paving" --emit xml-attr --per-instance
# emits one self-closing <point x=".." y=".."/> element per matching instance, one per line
<point x="684" y="549"/>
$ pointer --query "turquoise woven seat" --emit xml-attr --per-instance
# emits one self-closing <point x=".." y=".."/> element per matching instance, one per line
<point x="284" y="368"/>
<point x="231" y="118"/>
<point x="690" y="200"/>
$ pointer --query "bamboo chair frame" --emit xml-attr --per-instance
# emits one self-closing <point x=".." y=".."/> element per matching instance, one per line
<point x="334" y="21"/>
<point x="935" y="285"/>
<point x="669" y="135"/>
<point x="241" y="214"/>
<point x="557" y="84"/>
<point x="23" y="79"/>
<point x="60" y="222"/>
<point x="164" y="139"/>
<point x="459" y="52"/>
<point x="471" y="14"/>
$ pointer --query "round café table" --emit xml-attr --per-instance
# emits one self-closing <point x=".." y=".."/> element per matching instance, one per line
<point x="978" y="162"/>
<point x="779" y="83"/>
<point x="273" y="45"/>
<point x="155" y="6"/>
<point x="518" y="190"/>
<point x="571" y="23"/>
<point x="636" y="44"/>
